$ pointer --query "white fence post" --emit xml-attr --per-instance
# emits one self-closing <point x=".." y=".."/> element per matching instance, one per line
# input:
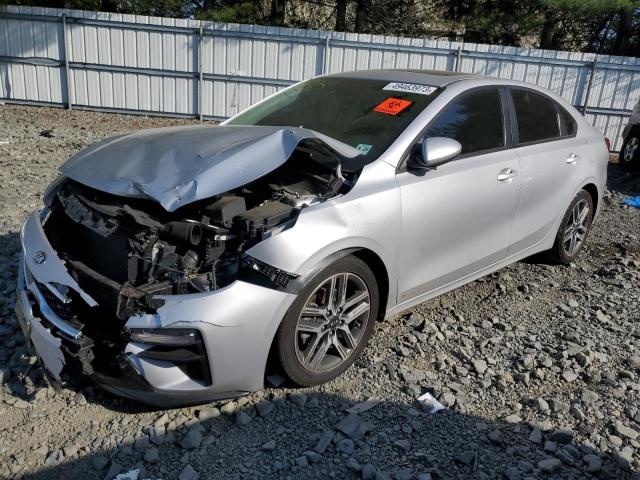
<point x="67" y="76"/>
<point x="325" y="56"/>
<point x="592" y="73"/>
<point x="458" y="58"/>
<point x="200" y="74"/>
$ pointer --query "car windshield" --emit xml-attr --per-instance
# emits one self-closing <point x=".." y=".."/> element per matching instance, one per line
<point x="366" y="114"/>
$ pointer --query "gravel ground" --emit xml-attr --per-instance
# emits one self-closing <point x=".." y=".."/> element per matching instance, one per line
<point x="537" y="365"/>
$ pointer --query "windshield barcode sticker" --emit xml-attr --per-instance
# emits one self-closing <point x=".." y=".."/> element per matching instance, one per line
<point x="411" y="87"/>
<point x="364" y="148"/>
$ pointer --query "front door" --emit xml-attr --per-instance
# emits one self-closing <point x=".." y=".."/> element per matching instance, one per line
<point x="457" y="218"/>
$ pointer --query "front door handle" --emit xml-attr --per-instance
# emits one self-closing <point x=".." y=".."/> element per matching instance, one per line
<point x="506" y="174"/>
<point x="572" y="158"/>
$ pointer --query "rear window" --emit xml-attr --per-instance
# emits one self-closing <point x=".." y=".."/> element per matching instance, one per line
<point x="536" y="116"/>
<point x="569" y="125"/>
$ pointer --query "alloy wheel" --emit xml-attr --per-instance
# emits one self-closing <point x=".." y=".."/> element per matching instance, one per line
<point x="576" y="229"/>
<point x="630" y="149"/>
<point x="332" y="322"/>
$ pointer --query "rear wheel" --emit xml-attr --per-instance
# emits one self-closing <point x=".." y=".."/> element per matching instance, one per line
<point x="573" y="230"/>
<point x="630" y="151"/>
<point x="329" y="324"/>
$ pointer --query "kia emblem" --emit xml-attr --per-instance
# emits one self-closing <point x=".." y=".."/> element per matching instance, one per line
<point x="40" y="257"/>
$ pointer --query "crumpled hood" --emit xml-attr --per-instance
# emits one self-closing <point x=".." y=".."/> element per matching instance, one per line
<point x="179" y="165"/>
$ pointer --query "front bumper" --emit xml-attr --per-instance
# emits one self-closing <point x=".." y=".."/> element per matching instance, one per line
<point x="237" y="324"/>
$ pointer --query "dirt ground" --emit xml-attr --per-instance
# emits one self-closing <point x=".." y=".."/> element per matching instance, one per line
<point x="537" y="365"/>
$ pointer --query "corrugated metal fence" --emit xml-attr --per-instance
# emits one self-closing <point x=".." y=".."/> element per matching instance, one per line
<point x="177" y="67"/>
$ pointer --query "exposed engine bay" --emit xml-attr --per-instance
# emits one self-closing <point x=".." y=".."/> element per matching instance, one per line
<point x="125" y="252"/>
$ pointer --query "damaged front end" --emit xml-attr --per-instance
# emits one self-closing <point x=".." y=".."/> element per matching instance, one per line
<point x="116" y="259"/>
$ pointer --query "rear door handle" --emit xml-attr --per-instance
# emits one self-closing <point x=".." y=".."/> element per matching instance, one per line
<point x="506" y="174"/>
<point x="572" y="158"/>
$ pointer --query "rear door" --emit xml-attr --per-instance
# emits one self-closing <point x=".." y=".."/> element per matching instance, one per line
<point x="549" y="154"/>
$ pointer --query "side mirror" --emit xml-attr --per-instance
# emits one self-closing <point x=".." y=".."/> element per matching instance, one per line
<point x="434" y="151"/>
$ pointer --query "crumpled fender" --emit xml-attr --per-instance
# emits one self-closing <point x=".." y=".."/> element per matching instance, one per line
<point x="367" y="217"/>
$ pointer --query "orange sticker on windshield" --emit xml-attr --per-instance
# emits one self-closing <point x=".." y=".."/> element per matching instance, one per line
<point x="392" y="106"/>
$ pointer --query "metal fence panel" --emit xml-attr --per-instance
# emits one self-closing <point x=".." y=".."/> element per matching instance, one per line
<point x="182" y="67"/>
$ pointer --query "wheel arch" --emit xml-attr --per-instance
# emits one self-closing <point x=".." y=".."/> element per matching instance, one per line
<point x="632" y="129"/>
<point x="379" y="269"/>
<point x="369" y="257"/>
<point x="592" y="190"/>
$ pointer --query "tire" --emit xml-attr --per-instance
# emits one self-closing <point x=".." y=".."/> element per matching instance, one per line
<point x="564" y="251"/>
<point x="313" y="324"/>
<point x="630" y="152"/>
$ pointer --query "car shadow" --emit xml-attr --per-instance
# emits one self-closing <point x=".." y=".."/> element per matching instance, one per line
<point x="302" y="433"/>
<point x="313" y="436"/>
<point x="622" y="180"/>
<point x="21" y="374"/>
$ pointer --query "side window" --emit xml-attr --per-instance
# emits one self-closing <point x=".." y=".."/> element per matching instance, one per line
<point x="536" y="115"/>
<point x="568" y="123"/>
<point x="474" y="119"/>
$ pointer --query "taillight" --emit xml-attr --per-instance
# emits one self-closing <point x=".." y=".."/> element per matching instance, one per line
<point x="608" y="143"/>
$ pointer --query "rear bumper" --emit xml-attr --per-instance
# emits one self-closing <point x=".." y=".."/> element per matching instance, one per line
<point x="236" y="323"/>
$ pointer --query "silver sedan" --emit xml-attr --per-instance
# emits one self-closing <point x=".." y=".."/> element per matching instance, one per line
<point x="169" y="264"/>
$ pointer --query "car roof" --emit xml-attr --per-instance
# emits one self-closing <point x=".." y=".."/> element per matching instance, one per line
<point x="436" y="78"/>
<point x="442" y="78"/>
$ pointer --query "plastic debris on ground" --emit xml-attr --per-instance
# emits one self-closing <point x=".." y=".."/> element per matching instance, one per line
<point x="633" y="201"/>
<point x="130" y="475"/>
<point x="368" y="404"/>
<point x="429" y="403"/>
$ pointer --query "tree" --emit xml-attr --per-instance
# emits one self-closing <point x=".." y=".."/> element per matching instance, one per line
<point x="238" y="11"/>
<point x="341" y="15"/>
<point x="624" y="32"/>
<point x="278" y="12"/>
<point x="608" y="24"/>
<point x="601" y="26"/>
<point x="162" y="8"/>
<point x="362" y="7"/>
<point x="550" y="35"/>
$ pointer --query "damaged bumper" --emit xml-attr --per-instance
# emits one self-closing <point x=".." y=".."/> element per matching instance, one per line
<point x="194" y="348"/>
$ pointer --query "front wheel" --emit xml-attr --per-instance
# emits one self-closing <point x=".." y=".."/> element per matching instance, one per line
<point x="573" y="231"/>
<point x="329" y="324"/>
